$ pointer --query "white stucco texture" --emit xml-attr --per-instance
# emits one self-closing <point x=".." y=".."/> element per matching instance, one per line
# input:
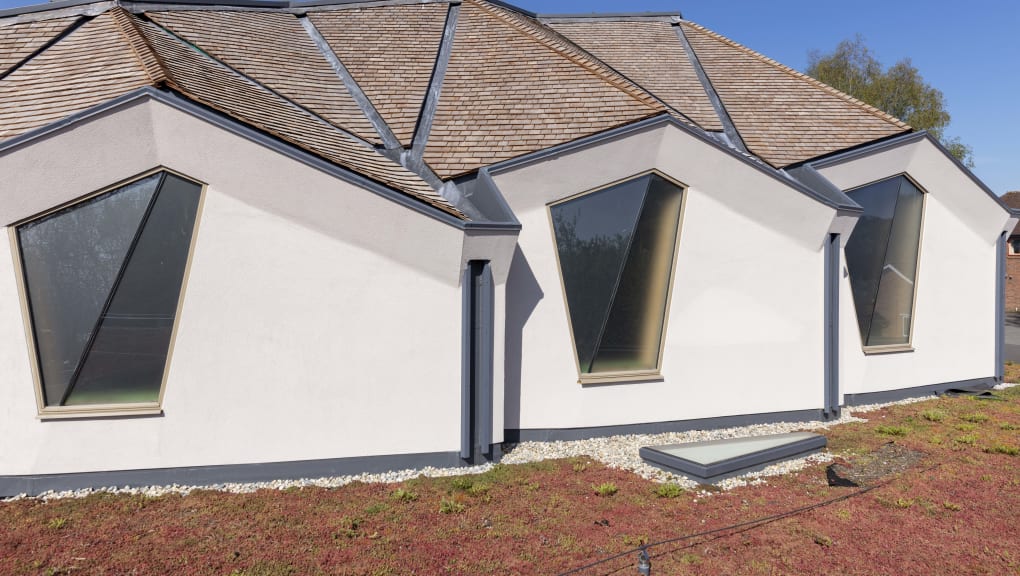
<point x="320" y="320"/>
<point x="744" y="329"/>
<point x="954" y="316"/>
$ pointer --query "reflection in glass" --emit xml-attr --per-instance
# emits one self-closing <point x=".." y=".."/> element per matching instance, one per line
<point x="103" y="277"/>
<point x="882" y="259"/>
<point x="616" y="251"/>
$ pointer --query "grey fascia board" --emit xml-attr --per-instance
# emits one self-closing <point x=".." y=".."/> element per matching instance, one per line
<point x="903" y="140"/>
<point x="645" y="124"/>
<point x="197" y="110"/>
<point x="219" y="3"/>
<point x="737" y="463"/>
<point x="33" y="8"/>
<point x="882" y="396"/>
<point x="35" y="484"/>
<point x="327" y="4"/>
<point x="712" y="423"/>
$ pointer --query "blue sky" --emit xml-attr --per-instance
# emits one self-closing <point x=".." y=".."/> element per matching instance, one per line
<point x="970" y="51"/>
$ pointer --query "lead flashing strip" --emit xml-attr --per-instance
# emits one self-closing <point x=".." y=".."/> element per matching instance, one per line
<point x="648" y="124"/>
<point x="35" y="484"/>
<point x="367" y="108"/>
<point x="428" y="108"/>
<point x="70" y="28"/>
<point x="720" y="110"/>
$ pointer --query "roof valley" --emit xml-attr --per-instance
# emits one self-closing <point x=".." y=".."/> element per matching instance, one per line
<point x="729" y="129"/>
<point x="146" y="56"/>
<point x="246" y="78"/>
<point x="566" y="48"/>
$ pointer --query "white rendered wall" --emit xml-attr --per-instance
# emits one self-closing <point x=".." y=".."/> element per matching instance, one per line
<point x="954" y="317"/>
<point x="744" y="333"/>
<point x="319" y="320"/>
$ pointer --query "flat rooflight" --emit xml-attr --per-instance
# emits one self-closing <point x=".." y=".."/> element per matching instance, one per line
<point x="713" y="460"/>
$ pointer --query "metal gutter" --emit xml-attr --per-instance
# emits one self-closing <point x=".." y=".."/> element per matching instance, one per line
<point x="720" y="110"/>
<point x="647" y="124"/>
<point x="811" y="178"/>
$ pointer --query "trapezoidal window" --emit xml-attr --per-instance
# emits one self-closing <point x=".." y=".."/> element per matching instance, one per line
<point x="616" y="248"/>
<point x="881" y="258"/>
<point x="103" y="279"/>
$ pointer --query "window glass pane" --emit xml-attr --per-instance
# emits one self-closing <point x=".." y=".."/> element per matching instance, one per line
<point x="890" y="324"/>
<point x="882" y="259"/>
<point x="616" y="251"/>
<point x="630" y="340"/>
<point x="71" y="259"/>
<point x="592" y="235"/>
<point x="126" y="361"/>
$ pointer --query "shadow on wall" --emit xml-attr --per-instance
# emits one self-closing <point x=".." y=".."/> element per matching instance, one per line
<point x="522" y="296"/>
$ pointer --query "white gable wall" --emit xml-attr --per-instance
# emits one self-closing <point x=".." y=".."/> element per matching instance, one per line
<point x="319" y="320"/>
<point x="744" y="329"/>
<point x="954" y="319"/>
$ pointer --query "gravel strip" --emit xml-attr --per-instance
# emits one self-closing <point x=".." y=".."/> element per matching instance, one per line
<point x="613" y="451"/>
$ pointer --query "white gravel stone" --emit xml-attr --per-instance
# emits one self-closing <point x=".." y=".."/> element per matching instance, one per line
<point x="614" y="451"/>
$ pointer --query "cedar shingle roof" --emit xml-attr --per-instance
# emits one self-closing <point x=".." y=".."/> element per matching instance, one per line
<point x="512" y="87"/>
<point x="90" y="66"/>
<point x="783" y="116"/>
<point x="19" y="41"/>
<point x="512" y="84"/>
<point x="218" y="87"/>
<point x="649" y="53"/>
<point x="373" y="44"/>
<point x="273" y="49"/>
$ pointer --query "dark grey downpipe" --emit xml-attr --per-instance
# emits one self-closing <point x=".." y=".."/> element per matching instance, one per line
<point x="1000" y="306"/>
<point x="477" y="341"/>
<point x="832" y="279"/>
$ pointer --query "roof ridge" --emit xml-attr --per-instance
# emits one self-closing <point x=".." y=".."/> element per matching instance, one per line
<point x="150" y="62"/>
<point x="568" y="49"/>
<point x="801" y="76"/>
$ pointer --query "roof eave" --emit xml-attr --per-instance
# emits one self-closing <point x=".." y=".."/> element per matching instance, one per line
<point x="903" y="140"/>
<point x="186" y="105"/>
<point x="655" y="122"/>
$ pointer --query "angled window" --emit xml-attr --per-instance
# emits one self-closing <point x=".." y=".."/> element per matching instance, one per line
<point x="881" y="257"/>
<point x="616" y="249"/>
<point x="103" y="278"/>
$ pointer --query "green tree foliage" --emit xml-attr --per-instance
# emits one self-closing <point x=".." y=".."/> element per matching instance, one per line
<point x="899" y="90"/>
